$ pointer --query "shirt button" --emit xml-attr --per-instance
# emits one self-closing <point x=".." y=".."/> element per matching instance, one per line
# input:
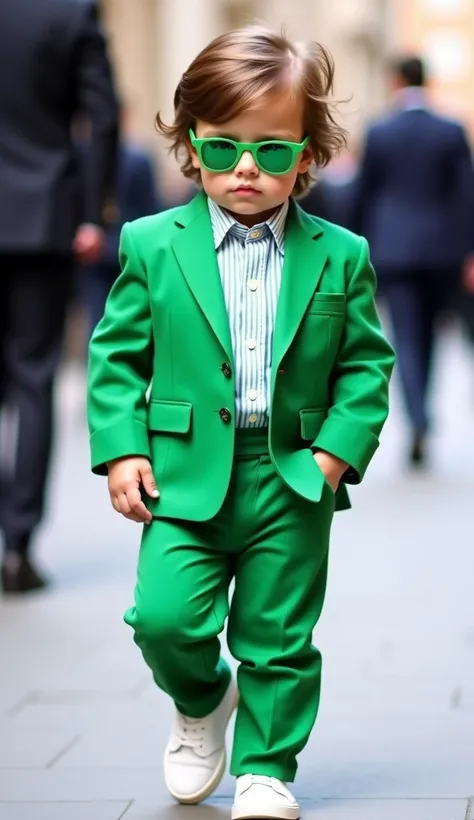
<point x="253" y="284"/>
<point x="252" y="395"/>
<point x="253" y="418"/>
<point x="255" y="234"/>
<point x="251" y="344"/>
<point x="225" y="415"/>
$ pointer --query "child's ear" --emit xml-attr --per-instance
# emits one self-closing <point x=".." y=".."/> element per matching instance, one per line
<point x="306" y="159"/>
<point x="193" y="154"/>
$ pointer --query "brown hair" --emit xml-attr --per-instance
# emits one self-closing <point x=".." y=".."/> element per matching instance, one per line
<point x="239" y="68"/>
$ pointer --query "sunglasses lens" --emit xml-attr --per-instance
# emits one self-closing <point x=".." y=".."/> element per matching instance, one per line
<point x="218" y="155"/>
<point x="275" y="158"/>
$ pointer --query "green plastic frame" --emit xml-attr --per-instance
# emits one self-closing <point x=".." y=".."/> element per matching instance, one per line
<point x="242" y="147"/>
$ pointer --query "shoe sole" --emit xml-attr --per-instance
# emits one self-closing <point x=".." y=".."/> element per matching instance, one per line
<point x="275" y="814"/>
<point x="213" y="782"/>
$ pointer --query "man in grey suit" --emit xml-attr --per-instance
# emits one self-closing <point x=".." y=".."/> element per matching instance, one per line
<point x="53" y="67"/>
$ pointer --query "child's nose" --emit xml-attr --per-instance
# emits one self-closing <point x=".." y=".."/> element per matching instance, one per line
<point x="246" y="164"/>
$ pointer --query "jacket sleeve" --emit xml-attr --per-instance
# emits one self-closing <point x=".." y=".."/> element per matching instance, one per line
<point x="96" y="97"/>
<point x="361" y="378"/>
<point x="121" y="366"/>
<point x="463" y="180"/>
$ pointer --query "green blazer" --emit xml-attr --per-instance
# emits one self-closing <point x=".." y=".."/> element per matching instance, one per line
<point x="157" y="385"/>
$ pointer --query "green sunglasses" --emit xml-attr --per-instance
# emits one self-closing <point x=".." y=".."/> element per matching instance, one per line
<point x="219" y="154"/>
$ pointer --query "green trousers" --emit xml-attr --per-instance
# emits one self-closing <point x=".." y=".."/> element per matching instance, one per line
<point x="275" y="545"/>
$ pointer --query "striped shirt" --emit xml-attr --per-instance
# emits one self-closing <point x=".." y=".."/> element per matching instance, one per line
<point x="250" y="264"/>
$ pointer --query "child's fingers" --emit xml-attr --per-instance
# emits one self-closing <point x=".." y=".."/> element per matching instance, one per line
<point x="148" y="481"/>
<point x="124" y="504"/>
<point x="136" y="505"/>
<point x="127" y="512"/>
<point x="131" y="516"/>
<point x="125" y="509"/>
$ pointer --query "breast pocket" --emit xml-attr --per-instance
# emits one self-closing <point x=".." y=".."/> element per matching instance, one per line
<point x="328" y="304"/>
<point x="324" y="323"/>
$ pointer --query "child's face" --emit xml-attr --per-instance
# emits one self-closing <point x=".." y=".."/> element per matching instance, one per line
<point x="250" y="194"/>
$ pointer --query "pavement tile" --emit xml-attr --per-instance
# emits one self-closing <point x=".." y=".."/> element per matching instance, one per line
<point x="85" y="711"/>
<point x="61" y="650"/>
<point x="398" y="756"/>
<point x="11" y="699"/>
<point x="76" y="785"/>
<point x="322" y="810"/>
<point x="63" y="811"/>
<point x="153" y="811"/>
<point x="385" y="810"/>
<point x="117" y="742"/>
<point x="332" y="780"/>
<point x="30" y="748"/>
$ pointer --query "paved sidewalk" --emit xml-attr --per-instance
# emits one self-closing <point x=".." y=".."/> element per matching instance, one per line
<point x="82" y="728"/>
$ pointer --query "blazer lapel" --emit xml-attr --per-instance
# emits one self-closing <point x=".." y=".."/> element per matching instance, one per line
<point x="304" y="262"/>
<point x="196" y="255"/>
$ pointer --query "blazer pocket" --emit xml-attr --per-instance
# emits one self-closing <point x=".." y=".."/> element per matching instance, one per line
<point x="169" y="416"/>
<point x="311" y="422"/>
<point x="329" y="303"/>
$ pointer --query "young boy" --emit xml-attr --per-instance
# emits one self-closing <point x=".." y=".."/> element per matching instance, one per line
<point x="255" y="328"/>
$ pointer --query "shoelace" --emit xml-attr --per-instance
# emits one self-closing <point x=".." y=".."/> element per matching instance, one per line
<point x="265" y="780"/>
<point x="261" y="780"/>
<point x="189" y="732"/>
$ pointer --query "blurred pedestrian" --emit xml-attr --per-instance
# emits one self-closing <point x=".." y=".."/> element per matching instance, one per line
<point x="414" y="203"/>
<point x="332" y="197"/>
<point x="53" y="65"/>
<point x="137" y="195"/>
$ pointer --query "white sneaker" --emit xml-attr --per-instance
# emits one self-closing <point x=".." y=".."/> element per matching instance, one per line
<point x="195" y="757"/>
<point x="263" y="798"/>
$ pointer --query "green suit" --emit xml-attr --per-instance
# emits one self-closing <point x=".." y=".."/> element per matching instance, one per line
<point x="161" y="385"/>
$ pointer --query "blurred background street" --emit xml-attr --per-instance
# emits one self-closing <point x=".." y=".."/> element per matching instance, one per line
<point x="152" y="41"/>
<point x="82" y="726"/>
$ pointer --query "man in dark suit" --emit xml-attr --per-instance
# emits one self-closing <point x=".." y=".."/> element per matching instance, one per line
<point x="414" y="203"/>
<point x="53" y="66"/>
<point x="137" y="196"/>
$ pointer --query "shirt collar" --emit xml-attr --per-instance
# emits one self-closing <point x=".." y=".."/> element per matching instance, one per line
<point x="222" y="222"/>
<point x="412" y="98"/>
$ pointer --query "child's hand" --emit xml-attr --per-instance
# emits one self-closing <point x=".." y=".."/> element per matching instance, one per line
<point x="332" y="467"/>
<point x="126" y="476"/>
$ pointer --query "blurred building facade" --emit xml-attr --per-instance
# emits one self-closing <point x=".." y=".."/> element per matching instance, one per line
<point x="153" y="41"/>
<point x="443" y="32"/>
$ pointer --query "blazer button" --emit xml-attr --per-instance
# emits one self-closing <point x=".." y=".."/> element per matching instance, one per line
<point x="225" y="415"/>
<point x="227" y="370"/>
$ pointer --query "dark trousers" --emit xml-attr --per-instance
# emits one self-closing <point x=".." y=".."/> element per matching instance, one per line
<point x="93" y="284"/>
<point x="415" y="300"/>
<point x="34" y="293"/>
